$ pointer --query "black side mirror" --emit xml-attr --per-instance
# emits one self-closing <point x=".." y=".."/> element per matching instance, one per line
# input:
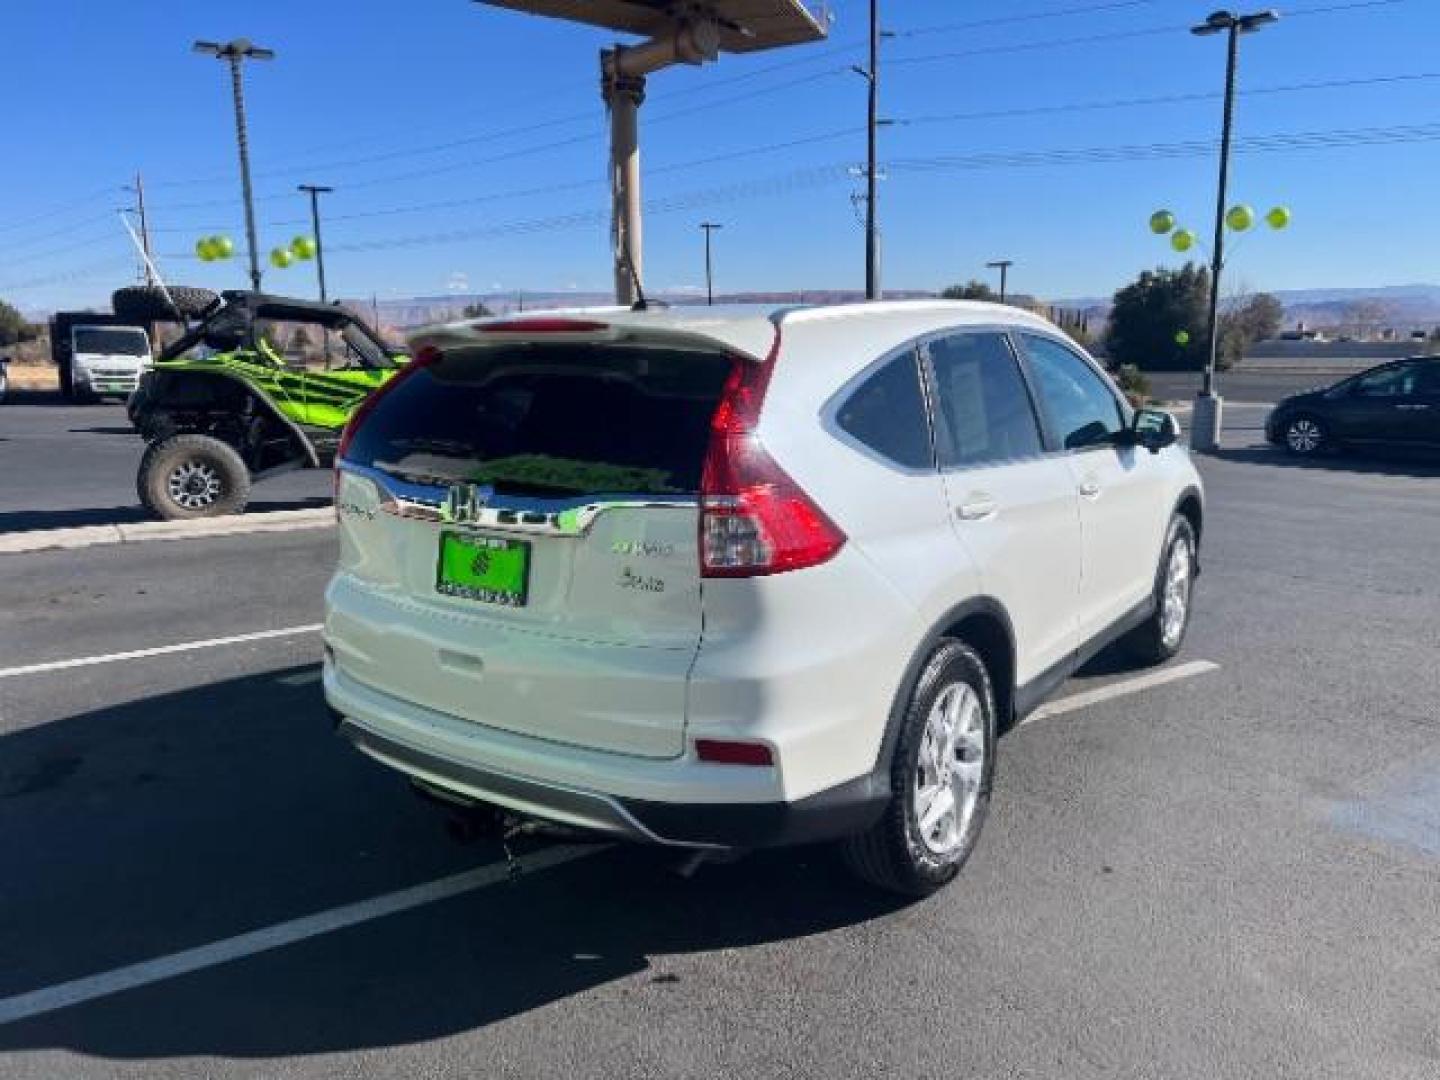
<point x="1154" y="429"/>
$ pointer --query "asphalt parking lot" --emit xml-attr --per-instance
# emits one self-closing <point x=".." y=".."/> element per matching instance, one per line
<point x="1234" y="874"/>
<point x="64" y="465"/>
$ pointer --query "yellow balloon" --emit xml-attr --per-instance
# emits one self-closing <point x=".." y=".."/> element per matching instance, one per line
<point x="1240" y="217"/>
<point x="222" y="247"/>
<point x="204" y="250"/>
<point x="302" y="247"/>
<point x="1182" y="240"/>
<point x="1278" y="218"/>
<point x="281" y="257"/>
<point x="1161" y="222"/>
<point x="1182" y="337"/>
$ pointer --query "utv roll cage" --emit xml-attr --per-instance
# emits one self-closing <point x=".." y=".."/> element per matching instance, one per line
<point x="233" y="321"/>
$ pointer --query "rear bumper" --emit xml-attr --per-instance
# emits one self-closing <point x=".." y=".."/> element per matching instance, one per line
<point x="395" y="740"/>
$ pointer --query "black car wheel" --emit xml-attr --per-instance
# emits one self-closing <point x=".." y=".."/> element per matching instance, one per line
<point x="192" y="476"/>
<point x="1305" y="435"/>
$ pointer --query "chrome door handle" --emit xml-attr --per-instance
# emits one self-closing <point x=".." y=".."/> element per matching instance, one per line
<point x="977" y="508"/>
<point x="1090" y="489"/>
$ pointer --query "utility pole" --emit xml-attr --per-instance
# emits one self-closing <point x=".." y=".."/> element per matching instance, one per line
<point x="872" y="240"/>
<point x="1003" y="265"/>
<point x="709" y="227"/>
<point x="1205" y="424"/>
<point x="236" y="53"/>
<point x="315" y="191"/>
<point x="139" y="189"/>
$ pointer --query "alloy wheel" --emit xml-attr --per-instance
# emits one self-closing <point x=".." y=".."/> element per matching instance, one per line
<point x="950" y="769"/>
<point x="194" y="485"/>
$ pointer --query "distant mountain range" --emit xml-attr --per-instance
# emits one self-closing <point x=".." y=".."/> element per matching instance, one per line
<point x="1403" y="307"/>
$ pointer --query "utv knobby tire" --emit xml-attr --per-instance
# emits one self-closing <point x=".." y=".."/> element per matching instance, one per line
<point x="890" y="854"/>
<point x="147" y="303"/>
<point x="195" y="455"/>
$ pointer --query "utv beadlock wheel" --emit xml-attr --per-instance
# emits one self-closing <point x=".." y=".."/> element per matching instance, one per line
<point x="1160" y="636"/>
<point x="940" y="778"/>
<point x="1305" y="435"/>
<point x="192" y="476"/>
<point x="147" y="303"/>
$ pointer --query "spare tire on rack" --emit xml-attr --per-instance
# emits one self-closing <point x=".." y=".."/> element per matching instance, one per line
<point x="147" y="303"/>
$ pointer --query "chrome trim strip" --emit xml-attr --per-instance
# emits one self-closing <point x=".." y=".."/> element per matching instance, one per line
<point x="501" y="513"/>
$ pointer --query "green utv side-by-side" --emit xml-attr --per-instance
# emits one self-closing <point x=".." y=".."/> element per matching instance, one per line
<point x="224" y="407"/>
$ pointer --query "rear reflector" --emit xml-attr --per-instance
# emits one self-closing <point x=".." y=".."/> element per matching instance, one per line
<point x="725" y="752"/>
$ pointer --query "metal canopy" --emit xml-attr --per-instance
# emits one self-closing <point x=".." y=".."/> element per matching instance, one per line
<point x="744" y="25"/>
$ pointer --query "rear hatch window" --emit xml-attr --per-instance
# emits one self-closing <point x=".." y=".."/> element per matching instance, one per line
<point x="551" y="421"/>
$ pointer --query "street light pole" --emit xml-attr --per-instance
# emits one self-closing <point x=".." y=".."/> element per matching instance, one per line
<point x="709" y="227"/>
<point x="1003" y="265"/>
<point x="236" y="53"/>
<point x="1205" y="424"/>
<point x="315" y="191"/>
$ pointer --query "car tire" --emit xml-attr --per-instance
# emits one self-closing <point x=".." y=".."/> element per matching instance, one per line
<point x="1305" y="435"/>
<point x="148" y="303"/>
<point x="901" y="853"/>
<point x="1161" y="635"/>
<point x="192" y="476"/>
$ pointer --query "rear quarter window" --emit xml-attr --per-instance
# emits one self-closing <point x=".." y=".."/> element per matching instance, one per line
<point x="886" y="414"/>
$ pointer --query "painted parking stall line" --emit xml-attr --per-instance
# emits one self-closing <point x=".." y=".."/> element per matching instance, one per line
<point x="92" y="987"/>
<point x="160" y="650"/>
<point x="1123" y="688"/>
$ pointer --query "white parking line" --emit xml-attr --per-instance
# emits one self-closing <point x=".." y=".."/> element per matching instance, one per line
<point x="1086" y="698"/>
<point x="160" y="650"/>
<point x="63" y="995"/>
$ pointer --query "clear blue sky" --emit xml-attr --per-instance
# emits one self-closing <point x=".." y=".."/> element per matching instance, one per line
<point x="400" y="105"/>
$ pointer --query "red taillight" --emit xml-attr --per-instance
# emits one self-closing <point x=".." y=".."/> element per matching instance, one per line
<point x="754" y="519"/>
<point x="542" y="326"/>
<point x="422" y="359"/>
<point x="728" y="752"/>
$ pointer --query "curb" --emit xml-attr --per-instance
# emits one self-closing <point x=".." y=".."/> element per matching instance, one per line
<point x="84" y="536"/>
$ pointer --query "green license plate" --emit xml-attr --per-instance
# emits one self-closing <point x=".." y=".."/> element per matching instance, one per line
<point x="484" y="568"/>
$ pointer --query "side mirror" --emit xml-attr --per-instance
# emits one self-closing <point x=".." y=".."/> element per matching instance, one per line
<point x="1154" y="429"/>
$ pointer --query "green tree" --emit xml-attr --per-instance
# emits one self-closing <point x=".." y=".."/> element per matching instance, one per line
<point x="971" y="290"/>
<point x="1246" y="320"/>
<point x="1151" y="311"/>
<point x="14" y="327"/>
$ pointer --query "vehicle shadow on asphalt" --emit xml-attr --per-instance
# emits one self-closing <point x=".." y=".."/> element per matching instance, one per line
<point x="145" y="828"/>
<point x="24" y="520"/>
<point x="1398" y="463"/>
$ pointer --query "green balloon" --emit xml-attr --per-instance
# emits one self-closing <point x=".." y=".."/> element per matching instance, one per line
<point x="204" y="250"/>
<point x="1161" y="222"/>
<point x="1182" y="240"/>
<point x="1182" y="338"/>
<point x="1278" y="218"/>
<point x="222" y="246"/>
<point x="302" y="247"/>
<point x="1240" y="217"/>
<point x="281" y="257"/>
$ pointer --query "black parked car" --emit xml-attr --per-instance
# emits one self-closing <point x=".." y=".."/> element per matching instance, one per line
<point x="1395" y="404"/>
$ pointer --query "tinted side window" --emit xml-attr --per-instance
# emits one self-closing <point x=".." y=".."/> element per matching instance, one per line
<point x="1397" y="381"/>
<point x="1082" y="409"/>
<point x="887" y="413"/>
<point x="983" y="400"/>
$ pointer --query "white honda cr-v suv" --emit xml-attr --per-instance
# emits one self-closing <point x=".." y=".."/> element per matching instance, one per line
<point x="725" y="578"/>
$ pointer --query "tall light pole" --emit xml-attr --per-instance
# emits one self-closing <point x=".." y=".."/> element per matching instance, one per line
<point x="709" y="227"/>
<point x="315" y="191"/>
<point x="236" y="53"/>
<point x="1003" y="265"/>
<point x="1205" y="425"/>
